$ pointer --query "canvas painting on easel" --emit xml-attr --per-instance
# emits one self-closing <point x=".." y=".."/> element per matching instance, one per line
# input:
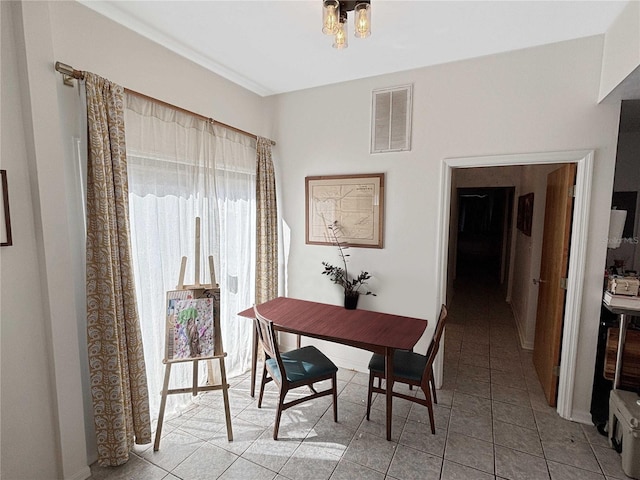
<point x="190" y="326"/>
<point x="192" y="333"/>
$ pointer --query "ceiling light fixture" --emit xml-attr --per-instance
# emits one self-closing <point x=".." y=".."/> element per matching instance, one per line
<point x="334" y="20"/>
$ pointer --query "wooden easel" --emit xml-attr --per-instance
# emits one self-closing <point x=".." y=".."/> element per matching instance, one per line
<point x="200" y="290"/>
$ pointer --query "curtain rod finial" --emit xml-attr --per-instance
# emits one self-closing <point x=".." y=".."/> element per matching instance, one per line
<point x="68" y="73"/>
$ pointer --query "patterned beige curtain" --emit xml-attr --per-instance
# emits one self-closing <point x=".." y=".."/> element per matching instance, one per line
<point x="116" y="361"/>
<point x="266" y="225"/>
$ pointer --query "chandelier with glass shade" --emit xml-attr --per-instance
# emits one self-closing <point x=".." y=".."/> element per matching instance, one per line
<point x="334" y="20"/>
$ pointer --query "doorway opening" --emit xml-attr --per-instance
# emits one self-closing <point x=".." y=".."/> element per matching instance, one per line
<point x="575" y="282"/>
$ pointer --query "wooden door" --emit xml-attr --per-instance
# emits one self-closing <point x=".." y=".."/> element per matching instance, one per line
<point x="553" y="268"/>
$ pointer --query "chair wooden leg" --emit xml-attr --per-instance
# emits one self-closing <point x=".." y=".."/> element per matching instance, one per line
<point x="432" y="420"/>
<point x="262" y="384"/>
<point x="427" y="393"/>
<point x="335" y="398"/>
<point x="433" y="386"/>
<point x="369" y="393"/>
<point x="276" y="427"/>
<point x="254" y="362"/>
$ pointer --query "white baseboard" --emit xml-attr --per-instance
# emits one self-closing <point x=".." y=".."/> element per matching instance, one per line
<point x="581" y="416"/>
<point x="524" y="343"/>
<point x="83" y="474"/>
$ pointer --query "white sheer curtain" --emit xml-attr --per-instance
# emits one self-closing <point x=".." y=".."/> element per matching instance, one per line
<point x="181" y="167"/>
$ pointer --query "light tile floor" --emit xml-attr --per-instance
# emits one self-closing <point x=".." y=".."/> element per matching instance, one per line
<point x="492" y="422"/>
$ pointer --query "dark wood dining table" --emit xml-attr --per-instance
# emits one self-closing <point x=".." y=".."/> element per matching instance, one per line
<point x="377" y="332"/>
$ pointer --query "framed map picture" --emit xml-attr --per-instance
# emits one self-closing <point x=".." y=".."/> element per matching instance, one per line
<point x="354" y="202"/>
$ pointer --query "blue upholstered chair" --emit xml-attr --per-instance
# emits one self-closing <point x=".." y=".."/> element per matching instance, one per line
<point x="411" y="368"/>
<point x="302" y="367"/>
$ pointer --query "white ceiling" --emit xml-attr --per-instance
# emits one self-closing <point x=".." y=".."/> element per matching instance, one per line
<point x="273" y="46"/>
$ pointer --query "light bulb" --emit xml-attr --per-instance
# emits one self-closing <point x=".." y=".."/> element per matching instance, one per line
<point x="362" y="20"/>
<point x="330" y="19"/>
<point x="340" y="40"/>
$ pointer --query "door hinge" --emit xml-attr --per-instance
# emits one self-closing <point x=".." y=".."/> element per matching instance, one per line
<point x="572" y="191"/>
<point x="563" y="283"/>
<point x="556" y="370"/>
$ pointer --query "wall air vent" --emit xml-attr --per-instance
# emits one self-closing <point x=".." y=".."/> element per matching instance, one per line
<point x="391" y="119"/>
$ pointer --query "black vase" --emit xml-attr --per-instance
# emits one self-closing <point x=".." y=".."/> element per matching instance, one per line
<point x="351" y="301"/>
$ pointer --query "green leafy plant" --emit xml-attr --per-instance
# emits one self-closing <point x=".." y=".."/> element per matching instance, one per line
<point x="352" y="286"/>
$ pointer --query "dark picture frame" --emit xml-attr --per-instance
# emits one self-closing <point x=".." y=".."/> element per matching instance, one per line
<point x="355" y="202"/>
<point x="5" y="226"/>
<point x="525" y="213"/>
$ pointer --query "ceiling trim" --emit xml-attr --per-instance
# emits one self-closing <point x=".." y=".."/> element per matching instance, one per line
<point x="115" y="14"/>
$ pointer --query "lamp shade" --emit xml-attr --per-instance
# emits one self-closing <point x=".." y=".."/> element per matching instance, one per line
<point x="616" y="226"/>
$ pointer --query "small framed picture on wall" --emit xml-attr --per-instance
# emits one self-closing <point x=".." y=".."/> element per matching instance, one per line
<point x="525" y="213"/>
<point x="5" y="218"/>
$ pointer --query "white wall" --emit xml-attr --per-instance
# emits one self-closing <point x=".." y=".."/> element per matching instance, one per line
<point x="43" y="397"/>
<point x="452" y="249"/>
<point x="539" y="99"/>
<point x="529" y="254"/>
<point x="488" y="177"/>
<point x="520" y="298"/>
<point x="29" y="435"/>
<point x="621" y="56"/>
<point x="33" y="48"/>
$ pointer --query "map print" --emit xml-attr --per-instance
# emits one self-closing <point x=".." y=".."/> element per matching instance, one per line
<point x="351" y="203"/>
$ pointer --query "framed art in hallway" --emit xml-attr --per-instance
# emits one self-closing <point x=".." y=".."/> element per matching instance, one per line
<point x="5" y="218"/>
<point x="353" y="202"/>
<point x="525" y="213"/>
